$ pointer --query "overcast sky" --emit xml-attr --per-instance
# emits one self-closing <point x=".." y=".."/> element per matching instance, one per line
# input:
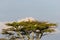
<point x="11" y="10"/>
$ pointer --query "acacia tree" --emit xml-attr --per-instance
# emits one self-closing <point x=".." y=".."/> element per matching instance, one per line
<point x="25" y="28"/>
<point x="37" y="27"/>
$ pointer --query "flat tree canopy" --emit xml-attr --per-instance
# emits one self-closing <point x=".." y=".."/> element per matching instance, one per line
<point x="29" y="27"/>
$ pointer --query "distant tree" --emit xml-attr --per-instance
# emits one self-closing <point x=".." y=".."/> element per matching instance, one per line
<point x="23" y="29"/>
<point x="37" y="27"/>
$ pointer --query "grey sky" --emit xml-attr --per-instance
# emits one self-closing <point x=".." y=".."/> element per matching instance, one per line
<point x="44" y="9"/>
<point x="39" y="9"/>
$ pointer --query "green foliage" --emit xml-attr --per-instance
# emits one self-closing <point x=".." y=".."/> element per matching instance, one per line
<point x="25" y="28"/>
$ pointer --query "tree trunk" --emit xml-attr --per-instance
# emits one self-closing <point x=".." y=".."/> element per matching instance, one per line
<point x="32" y="36"/>
<point x="19" y="34"/>
<point x="38" y="38"/>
